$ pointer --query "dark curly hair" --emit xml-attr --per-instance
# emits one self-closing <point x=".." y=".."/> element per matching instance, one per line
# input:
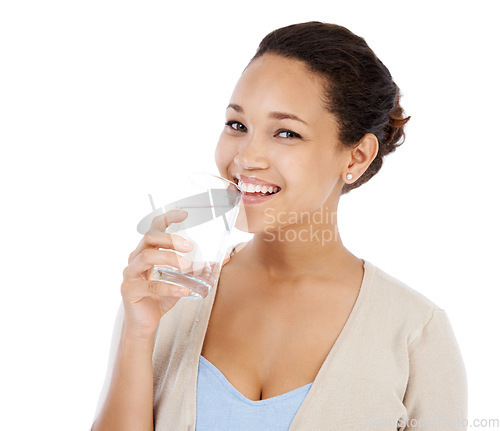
<point x="359" y="89"/>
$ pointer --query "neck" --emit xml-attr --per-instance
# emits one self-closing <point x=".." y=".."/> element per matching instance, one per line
<point x="310" y="246"/>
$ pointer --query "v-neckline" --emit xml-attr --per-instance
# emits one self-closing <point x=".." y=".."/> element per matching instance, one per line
<point x="228" y="385"/>
<point x="366" y="283"/>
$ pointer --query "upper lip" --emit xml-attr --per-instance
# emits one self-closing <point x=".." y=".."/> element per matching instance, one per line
<point x="253" y="180"/>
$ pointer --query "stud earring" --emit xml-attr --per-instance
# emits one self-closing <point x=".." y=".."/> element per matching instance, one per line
<point x="349" y="176"/>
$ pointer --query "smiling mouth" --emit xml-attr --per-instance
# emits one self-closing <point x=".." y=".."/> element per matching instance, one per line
<point x="249" y="189"/>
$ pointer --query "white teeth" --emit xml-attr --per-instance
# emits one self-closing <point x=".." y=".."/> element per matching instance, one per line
<point x="269" y="189"/>
<point x="252" y="188"/>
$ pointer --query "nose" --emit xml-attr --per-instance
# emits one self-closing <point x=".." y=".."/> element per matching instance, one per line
<point x="251" y="155"/>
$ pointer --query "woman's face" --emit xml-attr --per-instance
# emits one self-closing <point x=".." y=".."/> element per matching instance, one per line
<point x="296" y="149"/>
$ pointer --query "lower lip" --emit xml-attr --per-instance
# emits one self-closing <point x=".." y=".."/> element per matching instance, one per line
<point x="255" y="199"/>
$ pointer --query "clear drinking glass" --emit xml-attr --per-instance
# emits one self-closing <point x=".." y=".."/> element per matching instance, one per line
<point x="212" y="204"/>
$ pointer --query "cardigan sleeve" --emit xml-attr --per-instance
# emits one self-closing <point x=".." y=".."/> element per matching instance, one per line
<point x="436" y="394"/>
<point x="113" y="350"/>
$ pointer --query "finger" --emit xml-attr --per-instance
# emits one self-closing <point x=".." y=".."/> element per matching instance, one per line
<point x="162" y="221"/>
<point x="150" y="257"/>
<point x="163" y="240"/>
<point x="135" y="290"/>
<point x="157" y="237"/>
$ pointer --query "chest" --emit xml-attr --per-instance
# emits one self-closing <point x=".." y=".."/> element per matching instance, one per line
<point x="269" y="340"/>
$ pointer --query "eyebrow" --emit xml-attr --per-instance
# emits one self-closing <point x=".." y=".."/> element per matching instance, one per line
<point x="277" y="115"/>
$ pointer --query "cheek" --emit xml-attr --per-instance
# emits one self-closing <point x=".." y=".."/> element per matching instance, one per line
<point x="223" y="154"/>
<point x="313" y="176"/>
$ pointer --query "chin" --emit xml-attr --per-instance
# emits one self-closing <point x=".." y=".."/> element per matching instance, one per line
<point x="255" y="225"/>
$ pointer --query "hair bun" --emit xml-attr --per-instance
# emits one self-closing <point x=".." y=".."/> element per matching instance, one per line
<point x="394" y="131"/>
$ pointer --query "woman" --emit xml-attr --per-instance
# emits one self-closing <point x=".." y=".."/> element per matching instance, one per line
<point x="299" y="333"/>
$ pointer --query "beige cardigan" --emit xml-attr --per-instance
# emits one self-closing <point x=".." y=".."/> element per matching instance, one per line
<point x="395" y="366"/>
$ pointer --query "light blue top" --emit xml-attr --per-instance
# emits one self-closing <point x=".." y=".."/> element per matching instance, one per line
<point x="221" y="407"/>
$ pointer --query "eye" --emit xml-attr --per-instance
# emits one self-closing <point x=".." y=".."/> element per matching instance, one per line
<point x="240" y="127"/>
<point x="289" y="134"/>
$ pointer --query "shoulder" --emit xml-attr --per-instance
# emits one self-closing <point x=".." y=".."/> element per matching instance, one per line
<point x="400" y="292"/>
<point x="399" y="304"/>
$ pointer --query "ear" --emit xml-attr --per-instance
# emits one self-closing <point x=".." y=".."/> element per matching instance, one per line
<point x="361" y="156"/>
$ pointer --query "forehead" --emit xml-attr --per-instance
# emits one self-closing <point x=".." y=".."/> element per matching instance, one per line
<point x="272" y="82"/>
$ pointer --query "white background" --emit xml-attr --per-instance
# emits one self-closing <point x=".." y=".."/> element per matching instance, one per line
<point x="103" y="102"/>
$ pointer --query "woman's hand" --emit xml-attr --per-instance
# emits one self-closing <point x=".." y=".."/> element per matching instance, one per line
<point x="146" y="300"/>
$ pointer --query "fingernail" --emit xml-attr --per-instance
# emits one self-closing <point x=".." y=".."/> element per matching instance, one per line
<point x="186" y="243"/>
